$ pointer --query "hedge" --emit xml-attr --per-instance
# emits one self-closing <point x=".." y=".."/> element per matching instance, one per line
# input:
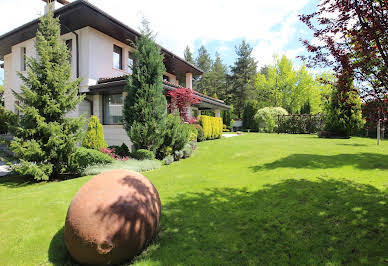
<point x="299" y="124"/>
<point x="212" y="126"/>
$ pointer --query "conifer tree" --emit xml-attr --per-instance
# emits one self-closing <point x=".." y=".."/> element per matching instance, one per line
<point x="94" y="137"/>
<point x="44" y="138"/>
<point x="188" y="55"/>
<point x="218" y="84"/>
<point x="145" y="107"/>
<point x="204" y="62"/>
<point x="243" y="76"/>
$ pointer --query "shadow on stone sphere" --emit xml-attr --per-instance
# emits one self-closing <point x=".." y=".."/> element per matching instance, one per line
<point x="57" y="252"/>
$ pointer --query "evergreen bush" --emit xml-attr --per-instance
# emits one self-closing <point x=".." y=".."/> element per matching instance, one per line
<point x="343" y="115"/>
<point x="168" y="160"/>
<point x="145" y="107"/>
<point x="143" y="154"/>
<point x="94" y="137"/>
<point x="44" y="138"/>
<point x="212" y="126"/>
<point x="250" y="109"/>
<point x="84" y="158"/>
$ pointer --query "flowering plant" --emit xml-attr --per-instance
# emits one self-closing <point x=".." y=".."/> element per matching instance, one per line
<point x="112" y="153"/>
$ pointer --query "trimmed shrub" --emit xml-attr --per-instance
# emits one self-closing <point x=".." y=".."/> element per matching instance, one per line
<point x="212" y="126"/>
<point x="143" y="154"/>
<point x="94" y="138"/>
<point x="168" y="160"/>
<point x="122" y="151"/>
<point x="299" y="124"/>
<point x="84" y="157"/>
<point x="268" y="117"/>
<point x="250" y="109"/>
<point x="193" y="133"/>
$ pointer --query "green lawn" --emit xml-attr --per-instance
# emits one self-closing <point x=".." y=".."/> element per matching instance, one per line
<point x="253" y="199"/>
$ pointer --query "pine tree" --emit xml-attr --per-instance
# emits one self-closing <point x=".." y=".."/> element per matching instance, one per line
<point x="145" y="108"/>
<point x="204" y="62"/>
<point x="250" y="110"/>
<point x="94" y="137"/>
<point x="188" y="55"/>
<point x="44" y="138"/>
<point x="243" y="76"/>
<point x="218" y="79"/>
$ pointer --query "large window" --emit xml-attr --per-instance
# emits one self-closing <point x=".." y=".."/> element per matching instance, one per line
<point x="23" y="57"/>
<point x="113" y="109"/>
<point x="69" y="45"/>
<point x="117" y="57"/>
<point x="130" y="62"/>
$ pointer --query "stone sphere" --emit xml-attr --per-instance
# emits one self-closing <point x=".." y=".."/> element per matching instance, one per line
<point x="112" y="218"/>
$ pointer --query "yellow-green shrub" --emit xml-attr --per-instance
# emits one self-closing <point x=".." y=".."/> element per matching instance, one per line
<point x="212" y="126"/>
<point x="94" y="138"/>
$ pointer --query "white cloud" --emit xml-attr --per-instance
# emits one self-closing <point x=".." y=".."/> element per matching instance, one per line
<point x="181" y="23"/>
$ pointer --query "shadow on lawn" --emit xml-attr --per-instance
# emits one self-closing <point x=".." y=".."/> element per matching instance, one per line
<point x="295" y="222"/>
<point x="364" y="161"/>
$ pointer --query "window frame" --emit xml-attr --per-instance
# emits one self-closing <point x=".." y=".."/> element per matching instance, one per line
<point x="104" y="111"/>
<point x="132" y="59"/>
<point x="120" y="57"/>
<point x="23" y="59"/>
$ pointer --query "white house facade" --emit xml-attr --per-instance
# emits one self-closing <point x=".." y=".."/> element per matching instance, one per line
<point x="101" y="55"/>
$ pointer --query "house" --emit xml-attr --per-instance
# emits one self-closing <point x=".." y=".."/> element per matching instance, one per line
<point x="101" y="54"/>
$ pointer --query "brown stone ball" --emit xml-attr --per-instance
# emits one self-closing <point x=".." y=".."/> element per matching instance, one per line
<point x="112" y="218"/>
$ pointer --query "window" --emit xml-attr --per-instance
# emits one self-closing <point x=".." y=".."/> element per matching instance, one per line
<point x="130" y="62"/>
<point x="69" y="45"/>
<point x="23" y="58"/>
<point x="113" y="109"/>
<point x="117" y="57"/>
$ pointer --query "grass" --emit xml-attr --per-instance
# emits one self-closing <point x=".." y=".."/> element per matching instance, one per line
<point x="256" y="199"/>
<point x="133" y="165"/>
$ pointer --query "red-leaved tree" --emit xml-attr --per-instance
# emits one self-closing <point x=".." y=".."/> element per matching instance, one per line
<point x="351" y="37"/>
<point x="181" y="100"/>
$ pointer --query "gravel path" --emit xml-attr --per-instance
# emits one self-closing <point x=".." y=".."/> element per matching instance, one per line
<point x="230" y="135"/>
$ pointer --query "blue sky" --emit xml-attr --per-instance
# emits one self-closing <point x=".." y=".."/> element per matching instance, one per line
<point x="271" y="27"/>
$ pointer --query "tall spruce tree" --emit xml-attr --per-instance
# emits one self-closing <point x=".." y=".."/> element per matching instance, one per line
<point x="204" y="62"/>
<point x="243" y="76"/>
<point x="44" y="138"/>
<point x="145" y="108"/>
<point x="188" y="55"/>
<point x="218" y="79"/>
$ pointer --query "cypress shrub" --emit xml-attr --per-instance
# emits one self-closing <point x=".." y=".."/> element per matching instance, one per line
<point x="212" y="126"/>
<point x="94" y="138"/>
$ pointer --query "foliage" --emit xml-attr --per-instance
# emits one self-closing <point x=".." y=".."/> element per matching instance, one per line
<point x="187" y="151"/>
<point x="299" y="124"/>
<point x="1" y="95"/>
<point x="373" y="110"/>
<point x="133" y="165"/>
<point x="203" y="62"/>
<point x="114" y="154"/>
<point x="242" y="78"/>
<point x="201" y="133"/>
<point x="84" y="157"/>
<point x="284" y="86"/>
<point x="178" y="155"/>
<point x="181" y="100"/>
<point x="193" y="132"/>
<point x="177" y="134"/>
<point x="343" y="115"/>
<point x="351" y="38"/>
<point x="250" y="110"/>
<point x="94" y="137"/>
<point x="212" y="126"/>
<point x="143" y="154"/>
<point x="145" y="107"/>
<point x="169" y="159"/>
<point x="217" y="84"/>
<point x="122" y="151"/>
<point x="188" y="55"/>
<point x="269" y="117"/>
<point x="6" y="118"/>
<point x="44" y="138"/>
<point x="227" y="117"/>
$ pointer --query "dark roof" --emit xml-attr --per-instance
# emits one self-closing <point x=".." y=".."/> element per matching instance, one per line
<point x="116" y="85"/>
<point x="80" y="14"/>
